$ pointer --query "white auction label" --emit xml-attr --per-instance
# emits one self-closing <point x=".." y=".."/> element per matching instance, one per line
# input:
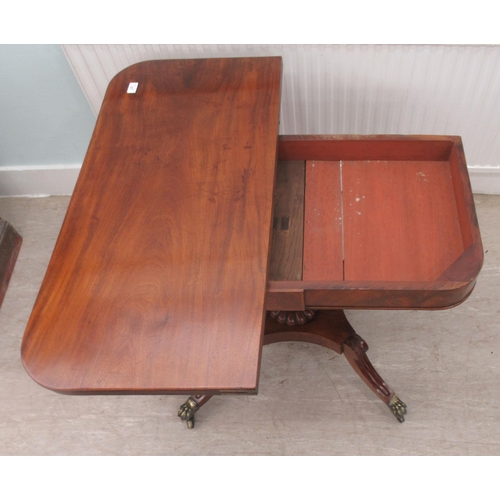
<point x="132" y="87"/>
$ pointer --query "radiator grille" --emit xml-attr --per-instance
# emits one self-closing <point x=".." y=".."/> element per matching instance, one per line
<point x="350" y="89"/>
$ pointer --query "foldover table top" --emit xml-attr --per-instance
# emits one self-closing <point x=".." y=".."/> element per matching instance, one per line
<point x="157" y="282"/>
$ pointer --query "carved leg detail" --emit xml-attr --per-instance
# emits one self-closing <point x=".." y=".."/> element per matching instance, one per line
<point x="355" y="351"/>
<point x="292" y="318"/>
<point x="190" y="407"/>
<point x="331" y="329"/>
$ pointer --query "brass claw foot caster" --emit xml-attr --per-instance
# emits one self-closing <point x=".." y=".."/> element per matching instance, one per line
<point x="187" y="410"/>
<point x="398" y="408"/>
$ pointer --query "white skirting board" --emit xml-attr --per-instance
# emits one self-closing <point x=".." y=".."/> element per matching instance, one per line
<point x="53" y="180"/>
<point x="38" y="180"/>
<point x="485" y="180"/>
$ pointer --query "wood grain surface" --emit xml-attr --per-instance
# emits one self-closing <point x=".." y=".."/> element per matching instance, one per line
<point x="400" y="220"/>
<point x="158" y="278"/>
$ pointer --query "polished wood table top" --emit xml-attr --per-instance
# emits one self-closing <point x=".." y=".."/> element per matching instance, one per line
<point x="157" y="282"/>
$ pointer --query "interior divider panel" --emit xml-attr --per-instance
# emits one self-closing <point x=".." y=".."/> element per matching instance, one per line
<point x="323" y="252"/>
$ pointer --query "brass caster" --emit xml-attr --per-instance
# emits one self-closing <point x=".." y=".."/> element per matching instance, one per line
<point x="398" y="408"/>
<point x="292" y="318"/>
<point x="187" y="410"/>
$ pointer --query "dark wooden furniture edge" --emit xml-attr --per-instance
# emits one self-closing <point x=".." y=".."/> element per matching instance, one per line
<point x="10" y="244"/>
<point x="289" y="295"/>
<point x="367" y="147"/>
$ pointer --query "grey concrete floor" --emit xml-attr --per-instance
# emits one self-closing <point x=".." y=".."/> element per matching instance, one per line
<point x="445" y="365"/>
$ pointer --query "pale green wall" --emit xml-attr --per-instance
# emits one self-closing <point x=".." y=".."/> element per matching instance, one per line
<point x="44" y="116"/>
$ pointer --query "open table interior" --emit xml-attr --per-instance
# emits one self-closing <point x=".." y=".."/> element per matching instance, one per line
<point x="372" y="222"/>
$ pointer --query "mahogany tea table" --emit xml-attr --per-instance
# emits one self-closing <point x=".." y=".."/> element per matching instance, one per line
<point x="196" y="235"/>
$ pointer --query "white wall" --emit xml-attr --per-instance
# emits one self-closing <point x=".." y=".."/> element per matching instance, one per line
<point x="46" y="121"/>
<point x="45" y="117"/>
